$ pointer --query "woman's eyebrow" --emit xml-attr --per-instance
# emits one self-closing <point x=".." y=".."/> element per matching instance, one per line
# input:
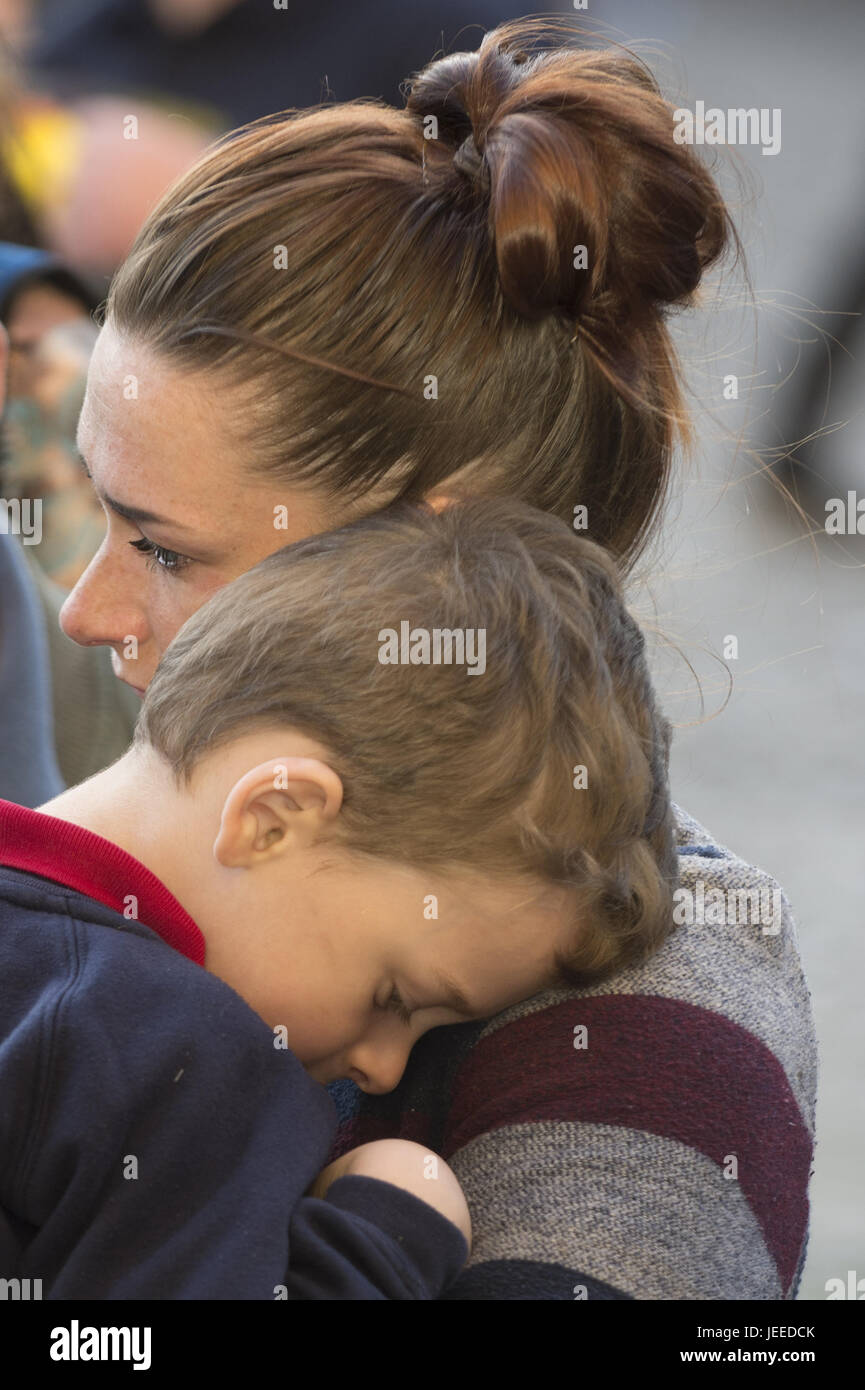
<point x="134" y="514"/>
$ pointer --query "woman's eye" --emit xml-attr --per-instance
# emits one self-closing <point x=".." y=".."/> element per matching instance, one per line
<point x="397" y="1005"/>
<point x="159" y="557"/>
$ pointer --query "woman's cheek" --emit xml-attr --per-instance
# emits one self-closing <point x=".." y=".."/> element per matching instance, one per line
<point x="170" y="610"/>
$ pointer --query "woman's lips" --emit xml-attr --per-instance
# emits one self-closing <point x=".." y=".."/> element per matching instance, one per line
<point x="117" y="667"/>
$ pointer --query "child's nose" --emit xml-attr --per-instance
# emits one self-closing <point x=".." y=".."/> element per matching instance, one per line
<point x="379" y="1068"/>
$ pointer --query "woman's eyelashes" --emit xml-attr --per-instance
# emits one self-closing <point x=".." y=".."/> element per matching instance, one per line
<point x="160" y="558"/>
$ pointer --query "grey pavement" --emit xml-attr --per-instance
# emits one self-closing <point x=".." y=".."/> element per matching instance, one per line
<point x="778" y="774"/>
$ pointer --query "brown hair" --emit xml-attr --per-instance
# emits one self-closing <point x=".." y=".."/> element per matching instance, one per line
<point x="441" y="767"/>
<point x="406" y="310"/>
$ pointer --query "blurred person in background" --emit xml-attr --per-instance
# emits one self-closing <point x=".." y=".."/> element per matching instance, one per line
<point x="46" y="310"/>
<point x="64" y="716"/>
<point x="17" y="223"/>
<point x="28" y="758"/>
<point x="121" y="96"/>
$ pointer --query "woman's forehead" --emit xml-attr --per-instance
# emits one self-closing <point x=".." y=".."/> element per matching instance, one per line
<point x="137" y="390"/>
<point x="145" y="417"/>
<point x="157" y="437"/>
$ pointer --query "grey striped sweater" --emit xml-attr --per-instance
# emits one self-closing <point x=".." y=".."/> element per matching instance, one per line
<point x="648" y="1138"/>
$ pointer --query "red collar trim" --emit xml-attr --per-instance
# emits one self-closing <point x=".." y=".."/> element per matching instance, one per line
<point x="75" y="857"/>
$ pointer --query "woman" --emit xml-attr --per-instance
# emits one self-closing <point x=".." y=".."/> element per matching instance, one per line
<point x="331" y="311"/>
<point x="338" y="308"/>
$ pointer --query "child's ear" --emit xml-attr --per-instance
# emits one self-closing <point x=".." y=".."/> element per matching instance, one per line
<point x="281" y="805"/>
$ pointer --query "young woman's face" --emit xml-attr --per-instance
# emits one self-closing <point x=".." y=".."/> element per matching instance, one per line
<point x="167" y="453"/>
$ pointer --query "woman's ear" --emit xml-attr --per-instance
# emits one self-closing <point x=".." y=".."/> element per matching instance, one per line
<point x="437" y="503"/>
<point x="278" y="807"/>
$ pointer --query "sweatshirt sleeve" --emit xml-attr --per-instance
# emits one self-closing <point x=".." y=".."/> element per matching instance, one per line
<point x="161" y="1146"/>
<point x="366" y="1229"/>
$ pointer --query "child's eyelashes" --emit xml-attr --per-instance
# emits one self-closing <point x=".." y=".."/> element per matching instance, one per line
<point x="159" y="557"/>
<point x="398" y="1006"/>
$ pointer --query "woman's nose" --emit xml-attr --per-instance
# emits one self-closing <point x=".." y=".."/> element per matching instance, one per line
<point x="99" y="611"/>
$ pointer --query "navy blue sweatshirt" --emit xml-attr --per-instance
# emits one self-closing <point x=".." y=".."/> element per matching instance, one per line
<point x="154" y="1142"/>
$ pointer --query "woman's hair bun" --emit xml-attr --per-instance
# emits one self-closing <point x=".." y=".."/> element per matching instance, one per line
<point x="452" y="90"/>
<point x="596" y="213"/>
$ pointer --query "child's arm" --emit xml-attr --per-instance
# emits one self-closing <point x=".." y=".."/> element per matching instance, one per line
<point x="404" y="1164"/>
<point x="419" y="1214"/>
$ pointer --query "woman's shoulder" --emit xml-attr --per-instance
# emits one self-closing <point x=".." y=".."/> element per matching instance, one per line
<point x="727" y="983"/>
<point x="735" y="954"/>
<point x="720" y="887"/>
<point x="690" y="832"/>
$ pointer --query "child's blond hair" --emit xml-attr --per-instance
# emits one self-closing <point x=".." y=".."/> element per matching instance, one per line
<point x="550" y="764"/>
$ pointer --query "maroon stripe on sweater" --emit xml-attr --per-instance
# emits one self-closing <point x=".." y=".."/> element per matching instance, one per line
<point x="367" y="1125"/>
<point x="657" y="1065"/>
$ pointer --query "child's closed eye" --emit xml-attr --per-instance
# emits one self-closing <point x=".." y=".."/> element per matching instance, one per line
<point x="396" y="1004"/>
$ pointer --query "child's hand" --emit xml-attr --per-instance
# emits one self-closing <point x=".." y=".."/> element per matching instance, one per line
<point x="407" y="1165"/>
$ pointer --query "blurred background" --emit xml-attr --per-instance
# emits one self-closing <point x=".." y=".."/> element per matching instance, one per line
<point x="769" y="743"/>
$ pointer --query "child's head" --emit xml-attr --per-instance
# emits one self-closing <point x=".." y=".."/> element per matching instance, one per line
<point x="432" y="737"/>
